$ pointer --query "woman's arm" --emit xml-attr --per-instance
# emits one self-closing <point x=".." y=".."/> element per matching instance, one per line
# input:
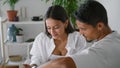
<point x="37" y="50"/>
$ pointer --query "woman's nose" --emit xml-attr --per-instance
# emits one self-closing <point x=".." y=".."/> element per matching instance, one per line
<point x="52" y="31"/>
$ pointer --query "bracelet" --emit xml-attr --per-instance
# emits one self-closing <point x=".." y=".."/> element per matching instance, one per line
<point x="34" y="67"/>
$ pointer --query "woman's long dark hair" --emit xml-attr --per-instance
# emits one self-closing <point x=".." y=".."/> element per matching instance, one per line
<point x="58" y="13"/>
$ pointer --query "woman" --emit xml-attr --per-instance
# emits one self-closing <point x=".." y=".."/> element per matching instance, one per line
<point x="59" y="38"/>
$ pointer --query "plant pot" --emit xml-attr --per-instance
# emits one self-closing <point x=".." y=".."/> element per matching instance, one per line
<point x="11" y="14"/>
<point x="19" y="38"/>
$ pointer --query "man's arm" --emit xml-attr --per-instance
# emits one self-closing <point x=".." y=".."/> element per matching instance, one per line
<point x="65" y="62"/>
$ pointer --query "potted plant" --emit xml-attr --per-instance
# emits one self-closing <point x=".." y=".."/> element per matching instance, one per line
<point x="18" y="31"/>
<point x="19" y="35"/>
<point x="70" y="6"/>
<point x="12" y="13"/>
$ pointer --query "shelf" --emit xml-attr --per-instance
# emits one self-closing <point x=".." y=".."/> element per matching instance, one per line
<point x="15" y="62"/>
<point x="30" y="28"/>
<point x="22" y="49"/>
<point x="15" y="43"/>
<point x="25" y="22"/>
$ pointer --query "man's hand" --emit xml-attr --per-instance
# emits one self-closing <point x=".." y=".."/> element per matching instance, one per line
<point x="26" y="66"/>
<point x="64" y="62"/>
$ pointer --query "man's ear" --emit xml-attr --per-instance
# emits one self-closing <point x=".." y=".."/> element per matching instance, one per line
<point x="100" y="26"/>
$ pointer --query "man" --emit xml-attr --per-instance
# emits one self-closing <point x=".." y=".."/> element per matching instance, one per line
<point x="92" y="21"/>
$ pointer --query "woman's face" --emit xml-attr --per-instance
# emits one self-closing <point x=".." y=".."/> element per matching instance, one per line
<point x="56" y="28"/>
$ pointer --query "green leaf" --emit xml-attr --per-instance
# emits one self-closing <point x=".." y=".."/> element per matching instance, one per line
<point x="70" y="7"/>
<point x="11" y="3"/>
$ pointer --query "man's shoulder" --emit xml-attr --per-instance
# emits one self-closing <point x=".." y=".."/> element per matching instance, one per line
<point x="109" y="41"/>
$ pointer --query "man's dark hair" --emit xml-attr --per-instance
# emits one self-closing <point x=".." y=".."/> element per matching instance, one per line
<point x="92" y="12"/>
<point x="58" y="13"/>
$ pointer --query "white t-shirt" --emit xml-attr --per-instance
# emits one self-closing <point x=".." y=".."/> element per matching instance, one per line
<point x="43" y="47"/>
<point x="102" y="54"/>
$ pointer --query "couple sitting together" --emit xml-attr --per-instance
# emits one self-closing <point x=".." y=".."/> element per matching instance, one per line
<point x="60" y="46"/>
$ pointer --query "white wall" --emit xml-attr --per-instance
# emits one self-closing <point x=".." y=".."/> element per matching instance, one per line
<point x="33" y="7"/>
<point x="38" y="7"/>
<point x="112" y="7"/>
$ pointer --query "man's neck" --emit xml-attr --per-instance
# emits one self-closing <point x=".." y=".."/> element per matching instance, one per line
<point x="104" y="33"/>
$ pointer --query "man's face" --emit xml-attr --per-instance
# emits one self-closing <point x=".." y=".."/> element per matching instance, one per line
<point x="88" y="31"/>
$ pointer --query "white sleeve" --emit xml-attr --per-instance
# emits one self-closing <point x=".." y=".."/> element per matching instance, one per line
<point x="36" y="50"/>
<point x="76" y="43"/>
<point x="89" y="58"/>
<point x="80" y="42"/>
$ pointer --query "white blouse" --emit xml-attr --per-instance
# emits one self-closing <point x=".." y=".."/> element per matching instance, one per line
<point x="43" y="47"/>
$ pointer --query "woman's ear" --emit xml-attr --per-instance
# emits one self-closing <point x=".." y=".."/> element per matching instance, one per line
<point x="66" y="23"/>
